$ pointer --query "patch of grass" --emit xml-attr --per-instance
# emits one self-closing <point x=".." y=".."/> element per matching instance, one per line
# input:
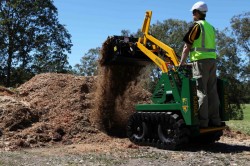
<point x="247" y="112"/>
<point x="242" y="125"/>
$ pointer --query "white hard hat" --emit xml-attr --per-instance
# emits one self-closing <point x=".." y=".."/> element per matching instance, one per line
<point x="201" y="6"/>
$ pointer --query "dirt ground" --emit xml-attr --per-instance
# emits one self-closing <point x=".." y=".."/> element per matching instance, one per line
<point x="233" y="149"/>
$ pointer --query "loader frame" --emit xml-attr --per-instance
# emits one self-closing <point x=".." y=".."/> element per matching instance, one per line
<point x="142" y="42"/>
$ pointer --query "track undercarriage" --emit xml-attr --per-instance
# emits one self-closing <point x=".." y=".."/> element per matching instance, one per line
<point x="165" y="130"/>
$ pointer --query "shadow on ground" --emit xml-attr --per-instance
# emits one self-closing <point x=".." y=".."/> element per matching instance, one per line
<point x="218" y="148"/>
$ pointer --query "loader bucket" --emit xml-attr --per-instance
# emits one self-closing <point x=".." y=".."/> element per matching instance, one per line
<point x="120" y="50"/>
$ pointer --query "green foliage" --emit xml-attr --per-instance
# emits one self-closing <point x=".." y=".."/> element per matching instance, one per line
<point x="233" y="63"/>
<point x="240" y="29"/>
<point x="125" y="33"/>
<point x="240" y="26"/>
<point x="236" y="112"/>
<point x="170" y="32"/>
<point x="88" y="65"/>
<point x="32" y="40"/>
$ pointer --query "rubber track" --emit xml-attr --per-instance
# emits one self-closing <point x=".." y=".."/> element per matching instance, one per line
<point x="149" y="135"/>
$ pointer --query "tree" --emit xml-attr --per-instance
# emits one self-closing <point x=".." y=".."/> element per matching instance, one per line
<point x="230" y="68"/>
<point x="88" y="63"/>
<point x="31" y="39"/>
<point x="234" y="53"/>
<point x="240" y="27"/>
<point x="171" y="32"/>
<point x="125" y="32"/>
<point x="240" y="30"/>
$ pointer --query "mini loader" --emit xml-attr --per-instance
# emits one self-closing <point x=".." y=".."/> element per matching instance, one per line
<point x="172" y="119"/>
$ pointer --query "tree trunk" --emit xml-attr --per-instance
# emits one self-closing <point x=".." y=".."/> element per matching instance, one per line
<point x="9" y="64"/>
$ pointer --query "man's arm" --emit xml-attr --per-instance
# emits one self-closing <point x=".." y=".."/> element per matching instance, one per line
<point x="185" y="53"/>
<point x="191" y="35"/>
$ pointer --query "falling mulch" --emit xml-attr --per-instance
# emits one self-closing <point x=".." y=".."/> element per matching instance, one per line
<point x="118" y="91"/>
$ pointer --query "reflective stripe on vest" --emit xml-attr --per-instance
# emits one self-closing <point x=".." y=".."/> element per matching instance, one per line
<point x="199" y="49"/>
<point x="202" y="49"/>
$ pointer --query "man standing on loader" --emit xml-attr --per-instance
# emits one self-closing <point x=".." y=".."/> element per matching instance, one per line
<point x="200" y="44"/>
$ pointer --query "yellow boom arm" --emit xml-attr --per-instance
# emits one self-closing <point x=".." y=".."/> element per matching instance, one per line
<point x="142" y="41"/>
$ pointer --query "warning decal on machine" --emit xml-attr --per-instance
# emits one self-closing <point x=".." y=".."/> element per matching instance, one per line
<point x="185" y="104"/>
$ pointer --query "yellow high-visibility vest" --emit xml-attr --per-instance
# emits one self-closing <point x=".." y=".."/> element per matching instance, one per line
<point x="204" y="46"/>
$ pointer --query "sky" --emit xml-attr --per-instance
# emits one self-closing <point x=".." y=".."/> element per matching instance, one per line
<point x="90" y="22"/>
